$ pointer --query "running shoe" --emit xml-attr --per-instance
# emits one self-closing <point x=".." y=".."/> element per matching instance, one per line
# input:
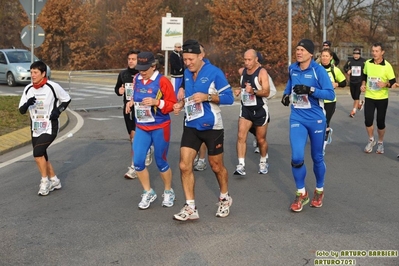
<point x="196" y="159"/>
<point x="257" y="150"/>
<point x="200" y="166"/>
<point x="329" y="135"/>
<point x="44" y="187"/>
<point x="131" y="173"/>
<point x="55" y="184"/>
<point x="254" y="143"/>
<point x="148" y="157"/>
<point x="240" y="170"/>
<point x="369" y="146"/>
<point x="299" y="202"/>
<point x="317" y="200"/>
<point x="187" y="213"/>
<point x="361" y="105"/>
<point x="263" y="168"/>
<point x="224" y="207"/>
<point x="168" y="198"/>
<point x="146" y="198"/>
<point x="380" y="148"/>
<point x="352" y="114"/>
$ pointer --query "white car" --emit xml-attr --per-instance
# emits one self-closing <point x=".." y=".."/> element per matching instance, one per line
<point x="15" y="66"/>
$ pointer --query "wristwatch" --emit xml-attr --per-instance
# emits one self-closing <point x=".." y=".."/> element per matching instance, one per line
<point x="312" y="89"/>
<point x="209" y="98"/>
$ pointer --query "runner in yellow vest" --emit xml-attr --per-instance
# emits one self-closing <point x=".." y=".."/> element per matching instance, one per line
<point x="378" y="77"/>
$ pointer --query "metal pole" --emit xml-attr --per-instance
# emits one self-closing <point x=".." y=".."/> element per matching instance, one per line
<point x="32" y="32"/>
<point x="166" y="63"/>
<point x="289" y="31"/>
<point x="324" y="21"/>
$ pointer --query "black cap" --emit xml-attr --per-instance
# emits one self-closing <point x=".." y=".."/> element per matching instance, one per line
<point x="356" y="51"/>
<point x="307" y="44"/>
<point x="145" y="60"/>
<point x="192" y="47"/>
<point x="327" y="43"/>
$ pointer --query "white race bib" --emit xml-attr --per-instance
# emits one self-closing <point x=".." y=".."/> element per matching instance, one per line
<point x="193" y="110"/>
<point x="372" y="83"/>
<point x="300" y="101"/>
<point x="128" y="91"/>
<point x="356" y="71"/>
<point x="143" y="113"/>
<point x="247" y="99"/>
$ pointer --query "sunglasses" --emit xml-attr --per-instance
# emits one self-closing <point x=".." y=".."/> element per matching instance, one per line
<point x="177" y="46"/>
<point x="356" y="53"/>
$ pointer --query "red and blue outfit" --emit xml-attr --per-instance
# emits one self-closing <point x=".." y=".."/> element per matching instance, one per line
<point x="154" y="132"/>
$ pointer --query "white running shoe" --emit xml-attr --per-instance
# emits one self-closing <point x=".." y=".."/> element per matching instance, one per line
<point x="146" y="198"/>
<point x="380" y="148"/>
<point x="55" y="184"/>
<point x="257" y="150"/>
<point x="148" y="157"/>
<point x="369" y="146"/>
<point x="186" y="213"/>
<point x="224" y="207"/>
<point x="329" y="136"/>
<point x="200" y="166"/>
<point x="240" y="170"/>
<point x="254" y="143"/>
<point x="361" y="105"/>
<point x="131" y="173"/>
<point x="263" y="168"/>
<point x="168" y="198"/>
<point x="44" y="188"/>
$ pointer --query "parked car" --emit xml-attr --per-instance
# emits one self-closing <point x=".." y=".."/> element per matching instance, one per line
<point x="15" y="66"/>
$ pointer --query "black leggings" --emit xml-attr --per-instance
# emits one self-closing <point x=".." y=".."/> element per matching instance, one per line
<point x="330" y="110"/>
<point x="355" y="90"/>
<point x="41" y="143"/>
<point x="370" y="106"/>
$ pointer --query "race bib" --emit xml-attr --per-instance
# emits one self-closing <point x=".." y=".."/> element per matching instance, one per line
<point x="300" y="101"/>
<point x="128" y="91"/>
<point x="40" y="124"/>
<point x="193" y="110"/>
<point x="373" y="83"/>
<point x="247" y="99"/>
<point x="143" y="113"/>
<point x="356" y="71"/>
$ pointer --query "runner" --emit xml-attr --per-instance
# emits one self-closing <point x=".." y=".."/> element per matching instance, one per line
<point x="378" y="77"/>
<point x="45" y="100"/>
<point x="124" y="87"/>
<point x="354" y="69"/>
<point x="153" y="100"/>
<point x="206" y="88"/>
<point x="254" y="110"/>
<point x="338" y="80"/>
<point x="308" y="85"/>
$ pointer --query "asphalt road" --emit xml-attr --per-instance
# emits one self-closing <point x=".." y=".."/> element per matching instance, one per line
<point x="94" y="218"/>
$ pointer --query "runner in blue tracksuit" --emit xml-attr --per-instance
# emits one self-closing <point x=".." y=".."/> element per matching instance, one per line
<point x="308" y="85"/>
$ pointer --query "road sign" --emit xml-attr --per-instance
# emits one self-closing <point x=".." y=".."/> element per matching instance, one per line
<point x="172" y="32"/>
<point x="26" y="36"/>
<point x="38" y="6"/>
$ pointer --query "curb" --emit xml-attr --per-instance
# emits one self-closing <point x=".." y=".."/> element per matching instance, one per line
<point x="22" y="137"/>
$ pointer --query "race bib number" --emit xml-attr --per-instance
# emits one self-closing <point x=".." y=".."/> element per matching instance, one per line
<point x="128" y="91"/>
<point x="373" y="83"/>
<point x="300" y="101"/>
<point x="193" y="110"/>
<point x="40" y="124"/>
<point x="143" y="113"/>
<point x="356" y="71"/>
<point x="247" y="99"/>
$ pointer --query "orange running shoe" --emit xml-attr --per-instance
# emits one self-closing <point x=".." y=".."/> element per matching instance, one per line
<point x="299" y="201"/>
<point x="317" y="200"/>
<point x="352" y="114"/>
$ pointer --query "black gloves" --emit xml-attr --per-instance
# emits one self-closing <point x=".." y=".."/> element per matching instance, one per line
<point x="285" y="100"/>
<point x="301" y="89"/>
<point x="55" y="114"/>
<point x="31" y="101"/>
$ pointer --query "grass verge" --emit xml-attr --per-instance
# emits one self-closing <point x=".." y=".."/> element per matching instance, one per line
<point x="10" y="118"/>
